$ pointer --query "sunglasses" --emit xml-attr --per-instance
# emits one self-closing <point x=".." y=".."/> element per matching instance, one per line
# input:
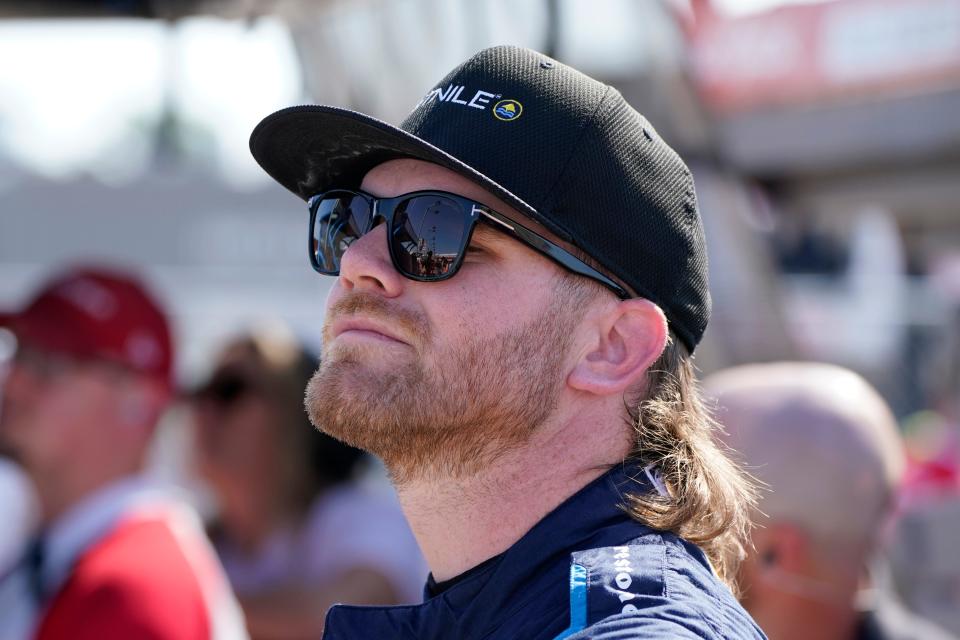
<point x="224" y="389"/>
<point x="427" y="233"/>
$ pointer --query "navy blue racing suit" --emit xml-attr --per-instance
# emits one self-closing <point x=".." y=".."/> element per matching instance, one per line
<point x="587" y="570"/>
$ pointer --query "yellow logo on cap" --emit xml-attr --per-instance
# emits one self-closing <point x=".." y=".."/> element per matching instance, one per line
<point x="507" y="110"/>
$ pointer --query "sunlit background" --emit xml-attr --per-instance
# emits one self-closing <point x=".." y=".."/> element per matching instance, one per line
<point x="824" y="138"/>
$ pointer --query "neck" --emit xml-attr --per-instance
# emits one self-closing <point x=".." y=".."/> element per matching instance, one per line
<point x="254" y="505"/>
<point x="460" y="522"/>
<point x="57" y="500"/>
<point x="58" y="492"/>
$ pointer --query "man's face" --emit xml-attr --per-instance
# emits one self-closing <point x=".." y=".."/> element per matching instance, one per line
<point x="443" y="375"/>
<point x="238" y="428"/>
<point x="51" y="407"/>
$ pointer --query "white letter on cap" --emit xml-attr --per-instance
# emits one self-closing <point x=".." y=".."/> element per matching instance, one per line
<point x="480" y="100"/>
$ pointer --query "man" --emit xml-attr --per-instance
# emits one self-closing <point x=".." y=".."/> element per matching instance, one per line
<point x="827" y="447"/>
<point x="18" y="512"/>
<point x="116" y="557"/>
<point x="522" y="280"/>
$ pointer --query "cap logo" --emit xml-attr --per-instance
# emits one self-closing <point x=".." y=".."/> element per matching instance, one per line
<point x="507" y="110"/>
<point x="452" y="93"/>
<point x="89" y="296"/>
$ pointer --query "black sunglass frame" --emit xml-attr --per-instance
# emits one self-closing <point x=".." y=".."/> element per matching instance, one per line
<point x="384" y="208"/>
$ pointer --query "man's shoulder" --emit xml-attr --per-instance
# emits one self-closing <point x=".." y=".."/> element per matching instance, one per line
<point x="137" y="577"/>
<point x="146" y="552"/>
<point x="655" y="586"/>
<point x="651" y="585"/>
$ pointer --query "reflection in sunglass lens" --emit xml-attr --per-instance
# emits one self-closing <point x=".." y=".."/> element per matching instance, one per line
<point x="428" y="235"/>
<point x="341" y="218"/>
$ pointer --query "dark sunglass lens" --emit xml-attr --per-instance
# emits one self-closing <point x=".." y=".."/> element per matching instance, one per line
<point x="341" y="218"/>
<point x="224" y="389"/>
<point x="428" y="236"/>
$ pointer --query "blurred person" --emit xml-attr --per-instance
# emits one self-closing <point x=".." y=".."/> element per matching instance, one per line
<point x="116" y="556"/>
<point x="296" y="530"/>
<point x="18" y="513"/>
<point x="828" y="449"/>
<point x="514" y="342"/>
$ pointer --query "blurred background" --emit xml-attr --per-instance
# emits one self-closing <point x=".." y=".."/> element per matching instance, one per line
<point x="824" y="138"/>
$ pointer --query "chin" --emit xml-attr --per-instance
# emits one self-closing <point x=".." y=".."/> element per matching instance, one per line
<point x="342" y="399"/>
<point x="363" y="357"/>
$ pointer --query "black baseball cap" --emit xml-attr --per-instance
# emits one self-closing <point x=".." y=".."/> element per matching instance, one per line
<point x="555" y="144"/>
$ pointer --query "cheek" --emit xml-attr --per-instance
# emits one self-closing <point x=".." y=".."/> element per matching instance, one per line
<point x="238" y="440"/>
<point x="68" y="422"/>
<point x="333" y="294"/>
<point x="208" y="433"/>
<point x="465" y="314"/>
<point x="493" y="305"/>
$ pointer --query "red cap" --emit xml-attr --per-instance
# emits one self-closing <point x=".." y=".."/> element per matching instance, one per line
<point x="98" y="313"/>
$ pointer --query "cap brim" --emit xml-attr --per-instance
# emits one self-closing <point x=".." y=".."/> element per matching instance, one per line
<point x="11" y="321"/>
<point x="38" y="332"/>
<point x="311" y="148"/>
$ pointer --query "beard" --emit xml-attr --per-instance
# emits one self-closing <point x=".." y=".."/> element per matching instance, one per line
<point x="482" y="398"/>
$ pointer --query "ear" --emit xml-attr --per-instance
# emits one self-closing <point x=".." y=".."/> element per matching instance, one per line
<point x="141" y="404"/>
<point x="624" y="342"/>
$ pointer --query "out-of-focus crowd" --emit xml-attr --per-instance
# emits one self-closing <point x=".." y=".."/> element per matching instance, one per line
<point x="303" y="521"/>
<point x="92" y="545"/>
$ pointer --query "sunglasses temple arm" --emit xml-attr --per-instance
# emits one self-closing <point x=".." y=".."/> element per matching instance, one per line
<point x="559" y="255"/>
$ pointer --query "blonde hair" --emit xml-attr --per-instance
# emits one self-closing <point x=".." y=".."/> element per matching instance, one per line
<point x="710" y="498"/>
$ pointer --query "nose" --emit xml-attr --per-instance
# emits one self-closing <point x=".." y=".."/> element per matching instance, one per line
<point x="366" y="266"/>
<point x="16" y="387"/>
